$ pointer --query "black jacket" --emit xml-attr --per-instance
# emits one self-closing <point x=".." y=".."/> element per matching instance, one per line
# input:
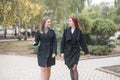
<point x="48" y="46"/>
<point x="70" y="46"/>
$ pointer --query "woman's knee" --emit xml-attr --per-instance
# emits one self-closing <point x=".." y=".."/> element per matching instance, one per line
<point x="74" y="68"/>
<point x="43" y="69"/>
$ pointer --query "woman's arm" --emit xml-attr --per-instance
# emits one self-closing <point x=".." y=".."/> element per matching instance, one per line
<point x="63" y="43"/>
<point x="62" y="46"/>
<point x="37" y="39"/>
<point x="54" y="44"/>
<point x="83" y="43"/>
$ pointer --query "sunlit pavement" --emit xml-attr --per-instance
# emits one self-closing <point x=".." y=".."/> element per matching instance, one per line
<point x="25" y="68"/>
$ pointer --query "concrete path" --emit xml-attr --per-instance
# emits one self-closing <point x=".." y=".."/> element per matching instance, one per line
<point x="25" y="68"/>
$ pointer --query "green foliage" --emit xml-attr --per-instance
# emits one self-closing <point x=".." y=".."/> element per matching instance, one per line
<point x="117" y="2"/>
<point x="105" y="10"/>
<point x="99" y="49"/>
<point x="103" y="29"/>
<point x="34" y="48"/>
<point x="116" y="19"/>
<point x="94" y="12"/>
<point x="82" y="52"/>
<point x="111" y="43"/>
<point x="64" y="8"/>
<point x="14" y="11"/>
<point x="58" y="30"/>
<point x="117" y="42"/>
<point x="85" y="24"/>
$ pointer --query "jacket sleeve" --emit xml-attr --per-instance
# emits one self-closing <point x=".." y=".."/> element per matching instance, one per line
<point x="63" y="43"/>
<point x="37" y="39"/>
<point x="54" y="43"/>
<point x="83" y="43"/>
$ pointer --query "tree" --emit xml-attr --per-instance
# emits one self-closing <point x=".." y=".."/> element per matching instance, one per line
<point x="14" y="12"/>
<point x="116" y="2"/>
<point x="64" y="8"/>
<point x="85" y="26"/>
<point x="105" y="9"/>
<point x="103" y="29"/>
<point x="93" y="12"/>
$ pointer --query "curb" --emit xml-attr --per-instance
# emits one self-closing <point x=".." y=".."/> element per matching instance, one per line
<point x="98" y="57"/>
<point x="108" y="71"/>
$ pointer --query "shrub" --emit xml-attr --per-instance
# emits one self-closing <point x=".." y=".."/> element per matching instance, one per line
<point x="111" y="43"/>
<point x="82" y="52"/>
<point x="34" y="48"/>
<point x="85" y="24"/>
<point x="99" y="49"/>
<point x="103" y="29"/>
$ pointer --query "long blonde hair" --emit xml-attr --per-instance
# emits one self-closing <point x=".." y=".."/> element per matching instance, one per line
<point x="43" y="23"/>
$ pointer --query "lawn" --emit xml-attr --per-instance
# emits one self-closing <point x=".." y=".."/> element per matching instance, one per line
<point x="23" y="47"/>
<point x="16" y="47"/>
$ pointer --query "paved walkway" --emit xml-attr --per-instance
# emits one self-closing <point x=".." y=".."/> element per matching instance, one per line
<point x="25" y="68"/>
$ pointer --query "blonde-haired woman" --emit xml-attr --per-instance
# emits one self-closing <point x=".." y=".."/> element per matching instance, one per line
<point x="47" y="49"/>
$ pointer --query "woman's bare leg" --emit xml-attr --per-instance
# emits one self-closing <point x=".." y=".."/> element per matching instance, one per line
<point x="48" y="73"/>
<point x="43" y="73"/>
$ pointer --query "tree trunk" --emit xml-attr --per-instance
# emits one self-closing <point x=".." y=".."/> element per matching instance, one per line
<point x="5" y="32"/>
<point x="96" y="38"/>
<point x="15" y="31"/>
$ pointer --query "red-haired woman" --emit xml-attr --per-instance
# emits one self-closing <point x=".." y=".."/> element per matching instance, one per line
<point x="70" y="46"/>
<point x="47" y="48"/>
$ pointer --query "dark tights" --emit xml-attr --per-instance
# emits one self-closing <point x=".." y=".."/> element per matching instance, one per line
<point x="74" y="73"/>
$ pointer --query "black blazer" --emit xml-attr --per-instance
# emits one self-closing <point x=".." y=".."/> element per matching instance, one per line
<point x="77" y="40"/>
<point x="70" y="46"/>
<point x="48" y="46"/>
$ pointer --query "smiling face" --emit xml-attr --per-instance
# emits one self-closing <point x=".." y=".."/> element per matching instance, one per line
<point x="70" y="23"/>
<point x="47" y="23"/>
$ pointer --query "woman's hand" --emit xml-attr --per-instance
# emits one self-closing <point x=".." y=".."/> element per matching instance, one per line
<point x="62" y="56"/>
<point x="32" y="42"/>
<point x="87" y="56"/>
<point x="53" y="55"/>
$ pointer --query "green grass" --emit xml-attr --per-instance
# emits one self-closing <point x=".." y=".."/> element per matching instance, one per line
<point x="14" y="46"/>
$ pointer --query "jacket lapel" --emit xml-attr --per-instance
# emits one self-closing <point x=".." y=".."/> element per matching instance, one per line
<point x="76" y="34"/>
<point x="68" y="34"/>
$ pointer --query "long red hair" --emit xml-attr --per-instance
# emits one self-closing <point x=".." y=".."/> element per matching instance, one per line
<point x="75" y="21"/>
